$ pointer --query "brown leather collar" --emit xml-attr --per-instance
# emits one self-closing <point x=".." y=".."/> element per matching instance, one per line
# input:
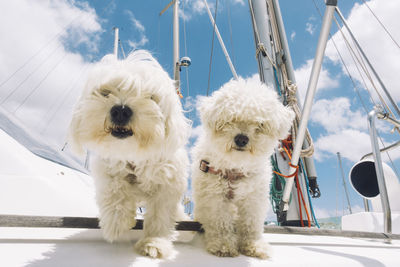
<point x="231" y="175"/>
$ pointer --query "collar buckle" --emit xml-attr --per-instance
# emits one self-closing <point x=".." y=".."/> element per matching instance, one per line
<point x="204" y="166"/>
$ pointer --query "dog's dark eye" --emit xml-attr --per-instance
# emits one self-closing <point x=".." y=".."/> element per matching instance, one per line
<point x="260" y="128"/>
<point x="154" y="98"/>
<point x="104" y="92"/>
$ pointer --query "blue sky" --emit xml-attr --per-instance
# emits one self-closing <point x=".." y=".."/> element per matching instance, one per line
<point x="52" y="44"/>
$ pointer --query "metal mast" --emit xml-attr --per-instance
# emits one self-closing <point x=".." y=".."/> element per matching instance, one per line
<point x="116" y="39"/>
<point x="177" y="63"/>
<point x="175" y="22"/>
<point x="344" y="181"/>
<point x="262" y="34"/>
<point x="312" y="86"/>
<point x="309" y="162"/>
<point x="266" y="17"/>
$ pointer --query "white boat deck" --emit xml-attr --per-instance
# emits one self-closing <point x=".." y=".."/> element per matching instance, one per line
<point x="30" y="185"/>
<point x="77" y="247"/>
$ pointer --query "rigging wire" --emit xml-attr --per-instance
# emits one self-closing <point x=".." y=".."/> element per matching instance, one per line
<point x="355" y="59"/>
<point x="230" y="31"/>
<point x="360" y="50"/>
<point x="347" y="69"/>
<point x="13" y="91"/>
<point x="284" y="85"/>
<point x="212" y="47"/>
<point x="382" y="101"/>
<point x="350" y="76"/>
<point x="360" y="60"/>
<point x="122" y="48"/>
<point x="380" y="22"/>
<point x="185" y="45"/>
<point x="259" y="45"/>
<point x="64" y="98"/>
<point x="39" y="84"/>
<point x="78" y="17"/>
<point x="351" y="51"/>
<point x="51" y="40"/>
<point x="278" y="48"/>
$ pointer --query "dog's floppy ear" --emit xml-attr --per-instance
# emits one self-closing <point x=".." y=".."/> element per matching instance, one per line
<point x="207" y="116"/>
<point x="177" y="127"/>
<point x="73" y="139"/>
<point x="279" y="125"/>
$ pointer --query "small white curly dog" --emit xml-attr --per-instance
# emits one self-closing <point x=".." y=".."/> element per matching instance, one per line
<point x="231" y="171"/>
<point x="131" y="118"/>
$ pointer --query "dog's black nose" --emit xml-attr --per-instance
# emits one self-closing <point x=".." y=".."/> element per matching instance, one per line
<point x="120" y="115"/>
<point x="241" y="140"/>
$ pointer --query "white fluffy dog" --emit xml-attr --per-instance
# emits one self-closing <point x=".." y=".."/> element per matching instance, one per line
<point x="242" y="122"/>
<point x="131" y="118"/>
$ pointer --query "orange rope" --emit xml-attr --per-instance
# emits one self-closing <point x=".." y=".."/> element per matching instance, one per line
<point x="300" y="194"/>
<point x="286" y="145"/>
<point x="287" y="176"/>
<point x="287" y="152"/>
<point x="298" y="199"/>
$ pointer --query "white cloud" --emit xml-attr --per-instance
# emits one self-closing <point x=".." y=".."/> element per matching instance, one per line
<point x="310" y="28"/>
<point x="41" y="32"/>
<point x="189" y="104"/>
<point x="335" y="115"/>
<point x="143" y="40"/>
<point x="325" y="81"/>
<point x="346" y="130"/>
<point x="292" y="35"/>
<point x="137" y="44"/>
<point x="197" y="7"/>
<point x="255" y="77"/>
<point x="351" y="143"/>
<point x="196" y="132"/>
<point x="323" y="212"/>
<point x="378" y="46"/>
<point x="135" y="23"/>
<point x="240" y="2"/>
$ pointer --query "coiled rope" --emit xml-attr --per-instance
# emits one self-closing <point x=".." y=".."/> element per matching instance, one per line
<point x="292" y="102"/>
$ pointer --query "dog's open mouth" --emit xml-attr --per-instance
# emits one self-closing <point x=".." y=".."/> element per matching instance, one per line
<point x="121" y="132"/>
<point x="238" y="149"/>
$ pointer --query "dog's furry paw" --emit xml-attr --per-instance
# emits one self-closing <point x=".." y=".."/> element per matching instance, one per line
<point x="114" y="227"/>
<point x="154" y="247"/>
<point x="260" y="249"/>
<point x="222" y="249"/>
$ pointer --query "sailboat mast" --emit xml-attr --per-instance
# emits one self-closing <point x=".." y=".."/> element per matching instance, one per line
<point x="175" y="22"/>
<point x="261" y="27"/>
<point x="344" y="181"/>
<point x="271" y="49"/>
<point x="311" y="89"/>
<point x="116" y="39"/>
<point x="308" y="161"/>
